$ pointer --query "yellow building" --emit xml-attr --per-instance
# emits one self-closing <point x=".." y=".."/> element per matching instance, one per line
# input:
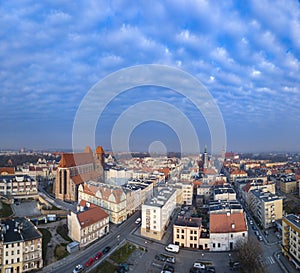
<point x="186" y="232"/>
<point x="291" y="238"/>
<point x="265" y="206"/>
<point x="288" y="185"/>
<point x="112" y="199"/>
<point x="21" y="246"/>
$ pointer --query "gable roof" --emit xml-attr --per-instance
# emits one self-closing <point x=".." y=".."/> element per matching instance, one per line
<point x="91" y="216"/>
<point x="227" y="223"/>
<point x="71" y="160"/>
<point x="80" y="178"/>
<point x="7" y="170"/>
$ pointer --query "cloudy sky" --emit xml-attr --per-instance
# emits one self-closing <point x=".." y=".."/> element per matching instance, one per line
<point x="246" y="54"/>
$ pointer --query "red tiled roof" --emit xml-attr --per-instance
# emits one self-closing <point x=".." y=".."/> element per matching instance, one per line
<point x="247" y="187"/>
<point x="71" y="160"/>
<point x="225" y="223"/>
<point x="90" y="216"/>
<point x="238" y="172"/>
<point x="7" y="170"/>
<point x="80" y="178"/>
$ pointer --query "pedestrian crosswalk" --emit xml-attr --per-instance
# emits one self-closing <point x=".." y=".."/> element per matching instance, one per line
<point x="267" y="260"/>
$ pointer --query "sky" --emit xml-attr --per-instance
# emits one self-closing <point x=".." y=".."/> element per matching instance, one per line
<point x="245" y="53"/>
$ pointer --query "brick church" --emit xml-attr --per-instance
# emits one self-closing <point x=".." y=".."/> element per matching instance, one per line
<point x="76" y="168"/>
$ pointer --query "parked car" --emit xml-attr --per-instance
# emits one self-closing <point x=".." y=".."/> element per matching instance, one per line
<point x="160" y="258"/>
<point x="89" y="262"/>
<point x="78" y="268"/>
<point x="138" y="220"/>
<point x="259" y="237"/>
<point x="106" y="249"/>
<point x="199" y="265"/>
<point x="169" y="268"/>
<point x="210" y="269"/>
<point x="172" y="248"/>
<point x="168" y="258"/>
<point x="123" y="267"/>
<point x="98" y="255"/>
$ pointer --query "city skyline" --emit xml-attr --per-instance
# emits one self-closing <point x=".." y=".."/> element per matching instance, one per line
<point x="247" y="55"/>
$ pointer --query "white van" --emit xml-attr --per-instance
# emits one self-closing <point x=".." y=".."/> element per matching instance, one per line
<point x="172" y="248"/>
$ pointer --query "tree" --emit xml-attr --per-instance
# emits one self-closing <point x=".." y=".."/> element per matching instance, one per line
<point x="249" y="253"/>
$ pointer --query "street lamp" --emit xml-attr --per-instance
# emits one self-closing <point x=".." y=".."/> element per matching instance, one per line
<point x="230" y="262"/>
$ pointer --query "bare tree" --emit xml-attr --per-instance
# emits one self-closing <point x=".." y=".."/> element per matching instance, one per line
<point x="249" y="253"/>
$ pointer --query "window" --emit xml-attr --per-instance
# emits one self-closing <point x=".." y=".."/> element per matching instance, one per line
<point x="182" y="231"/>
<point x="195" y="237"/>
<point x="6" y="253"/>
<point x="214" y="245"/>
<point x="219" y="245"/>
<point x="191" y="237"/>
<point x="182" y="236"/>
<point x="177" y="230"/>
<point x="243" y="234"/>
<point x="18" y="251"/>
<point x="231" y="235"/>
<point x="177" y="236"/>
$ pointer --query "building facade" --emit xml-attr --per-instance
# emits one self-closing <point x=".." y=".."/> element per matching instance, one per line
<point x="291" y="238"/>
<point x="88" y="224"/>
<point x="21" y="246"/>
<point x="18" y="186"/>
<point x="112" y="199"/>
<point x="226" y="229"/>
<point x="266" y="207"/>
<point x="156" y="213"/>
<point x="187" y="231"/>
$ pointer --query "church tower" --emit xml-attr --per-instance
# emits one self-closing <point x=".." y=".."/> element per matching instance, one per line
<point x="205" y="159"/>
<point x="99" y="162"/>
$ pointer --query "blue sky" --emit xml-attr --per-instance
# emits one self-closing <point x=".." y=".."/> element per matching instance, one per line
<point x="246" y="53"/>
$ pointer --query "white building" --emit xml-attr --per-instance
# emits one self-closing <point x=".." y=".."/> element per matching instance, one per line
<point x="156" y="213"/>
<point x="226" y="229"/>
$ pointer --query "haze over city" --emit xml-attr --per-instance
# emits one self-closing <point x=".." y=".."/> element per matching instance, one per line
<point x="246" y="54"/>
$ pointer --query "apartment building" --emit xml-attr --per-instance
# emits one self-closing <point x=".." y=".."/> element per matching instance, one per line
<point x="187" y="231"/>
<point x="235" y="174"/>
<point x="18" y="186"/>
<point x="291" y="238"/>
<point x="111" y="198"/>
<point x="226" y="229"/>
<point x="156" y="213"/>
<point x="224" y="206"/>
<point x="288" y="184"/>
<point x="224" y="192"/>
<point x="20" y="246"/>
<point x="266" y="207"/>
<point x="88" y="224"/>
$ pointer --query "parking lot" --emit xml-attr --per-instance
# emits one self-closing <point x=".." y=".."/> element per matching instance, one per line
<point x="26" y="208"/>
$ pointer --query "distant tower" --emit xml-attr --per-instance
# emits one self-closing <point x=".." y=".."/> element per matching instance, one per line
<point x="205" y="164"/>
<point x="99" y="162"/>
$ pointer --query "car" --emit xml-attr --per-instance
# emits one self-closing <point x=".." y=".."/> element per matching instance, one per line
<point x="169" y="268"/>
<point x="106" y="249"/>
<point x="195" y="270"/>
<point x="254" y="228"/>
<point x="98" y="255"/>
<point x="166" y="271"/>
<point x="171" y="260"/>
<point x="199" y="265"/>
<point x="138" y="220"/>
<point x="123" y="267"/>
<point x="89" y="262"/>
<point x="160" y="258"/>
<point x="251" y="222"/>
<point x="167" y="258"/>
<point x="78" y="268"/>
<point x="259" y="237"/>
<point x="211" y="269"/>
